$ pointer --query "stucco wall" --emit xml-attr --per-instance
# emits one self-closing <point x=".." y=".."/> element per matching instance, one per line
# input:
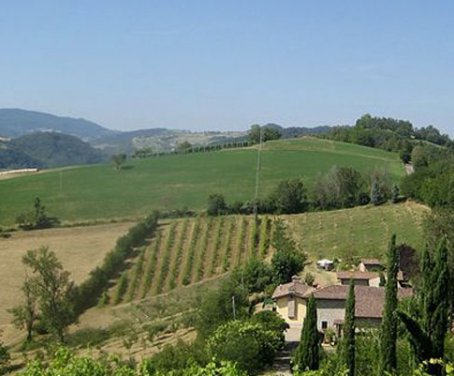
<point x="329" y="311"/>
<point x="300" y="310"/>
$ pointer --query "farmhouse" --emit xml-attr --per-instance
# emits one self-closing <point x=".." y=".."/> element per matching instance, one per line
<point x="291" y="299"/>
<point x="359" y="278"/>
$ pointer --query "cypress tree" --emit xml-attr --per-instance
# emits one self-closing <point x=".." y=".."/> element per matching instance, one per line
<point x="388" y="333"/>
<point x="349" y="331"/>
<point x="427" y="336"/>
<point x="307" y="356"/>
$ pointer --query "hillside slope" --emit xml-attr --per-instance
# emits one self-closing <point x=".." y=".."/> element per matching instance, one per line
<point x="178" y="181"/>
<point x="189" y="251"/>
<point x="17" y="122"/>
<point x="52" y="149"/>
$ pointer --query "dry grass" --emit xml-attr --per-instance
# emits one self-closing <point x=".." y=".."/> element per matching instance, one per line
<point x="79" y="249"/>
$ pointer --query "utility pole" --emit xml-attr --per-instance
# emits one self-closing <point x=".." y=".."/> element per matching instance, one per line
<point x="257" y="174"/>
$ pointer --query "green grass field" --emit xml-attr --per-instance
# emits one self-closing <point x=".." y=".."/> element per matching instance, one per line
<point x="176" y="181"/>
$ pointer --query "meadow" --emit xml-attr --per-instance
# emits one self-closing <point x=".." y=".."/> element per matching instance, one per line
<point x="100" y="192"/>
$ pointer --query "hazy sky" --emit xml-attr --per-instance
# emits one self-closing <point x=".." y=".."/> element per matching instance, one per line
<point x="227" y="64"/>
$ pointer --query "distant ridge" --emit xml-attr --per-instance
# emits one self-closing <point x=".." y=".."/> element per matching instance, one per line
<point x="18" y="122"/>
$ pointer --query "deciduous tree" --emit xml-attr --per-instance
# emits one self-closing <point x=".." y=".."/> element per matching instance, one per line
<point x="54" y="291"/>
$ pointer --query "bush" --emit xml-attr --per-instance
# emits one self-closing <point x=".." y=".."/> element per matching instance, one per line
<point x="88" y="337"/>
<point x="250" y="345"/>
<point x="256" y="275"/>
<point x="91" y="289"/>
<point x="216" y="205"/>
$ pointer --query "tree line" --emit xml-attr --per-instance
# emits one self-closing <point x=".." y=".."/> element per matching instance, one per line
<point x="389" y="134"/>
<point x="340" y="187"/>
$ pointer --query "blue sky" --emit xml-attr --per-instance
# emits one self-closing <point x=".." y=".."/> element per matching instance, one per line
<point x="207" y="65"/>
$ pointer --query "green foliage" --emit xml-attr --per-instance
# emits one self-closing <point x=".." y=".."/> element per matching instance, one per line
<point x="427" y="336"/>
<point x="264" y="237"/>
<point x="53" y="289"/>
<point x="252" y="346"/>
<point x="217" y="245"/>
<point x="287" y="260"/>
<point x="92" y="288"/>
<point x="348" y="343"/>
<point x="152" y="262"/>
<point x="36" y="219"/>
<point x="137" y="272"/>
<point x="265" y="133"/>
<point x="220" y="306"/>
<point x="26" y="313"/>
<point x="122" y="287"/>
<point x="184" y="147"/>
<point x="191" y="254"/>
<point x="307" y="354"/>
<point x="228" y="251"/>
<point x="174" y="274"/>
<point x="216" y="204"/>
<point x="256" y="275"/>
<point x="204" y="246"/>
<point x="4" y="358"/>
<point x="88" y="337"/>
<point x="289" y="197"/>
<point x="118" y="160"/>
<point x="341" y="187"/>
<point x="388" y="339"/>
<point x="164" y="271"/>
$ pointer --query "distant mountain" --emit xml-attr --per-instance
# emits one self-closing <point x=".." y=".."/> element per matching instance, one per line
<point x="17" y="122"/>
<point x="165" y="140"/>
<point x="161" y="140"/>
<point x="52" y="149"/>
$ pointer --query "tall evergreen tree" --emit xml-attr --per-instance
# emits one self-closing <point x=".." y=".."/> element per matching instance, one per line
<point x="388" y="334"/>
<point x="428" y="335"/>
<point x="307" y="355"/>
<point x="348" y="346"/>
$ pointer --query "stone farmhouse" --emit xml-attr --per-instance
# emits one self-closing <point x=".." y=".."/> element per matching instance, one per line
<point x="291" y="300"/>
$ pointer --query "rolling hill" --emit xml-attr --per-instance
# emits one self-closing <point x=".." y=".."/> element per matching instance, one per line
<point x="178" y="181"/>
<point x="188" y="251"/>
<point x="18" y="122"/>
<point x="52" y="149"/>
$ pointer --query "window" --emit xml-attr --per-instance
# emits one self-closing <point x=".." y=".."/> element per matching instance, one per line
<point x="324" y="325"/>
<point x="291" y="308"/>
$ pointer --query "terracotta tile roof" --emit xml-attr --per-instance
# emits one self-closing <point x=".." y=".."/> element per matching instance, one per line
<point x="335" y="292"/>
<point x="356" y="274"/>
<point x="371" y="261"/>
<point x="369" y="300"/>
<point x="295" y="288"/>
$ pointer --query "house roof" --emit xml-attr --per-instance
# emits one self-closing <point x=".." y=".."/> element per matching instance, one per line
<point x="296" y="288"/>
<point x="356" y="274"/>
<point x="371" y="261"/>
<point x="369" y="300"/>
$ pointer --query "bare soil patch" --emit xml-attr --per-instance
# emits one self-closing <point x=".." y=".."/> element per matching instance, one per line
<point x="79" y="249"/>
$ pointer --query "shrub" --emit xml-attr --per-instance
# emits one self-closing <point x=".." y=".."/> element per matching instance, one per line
<point x="250" y="345"/>
<point x="216" y="204"/>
